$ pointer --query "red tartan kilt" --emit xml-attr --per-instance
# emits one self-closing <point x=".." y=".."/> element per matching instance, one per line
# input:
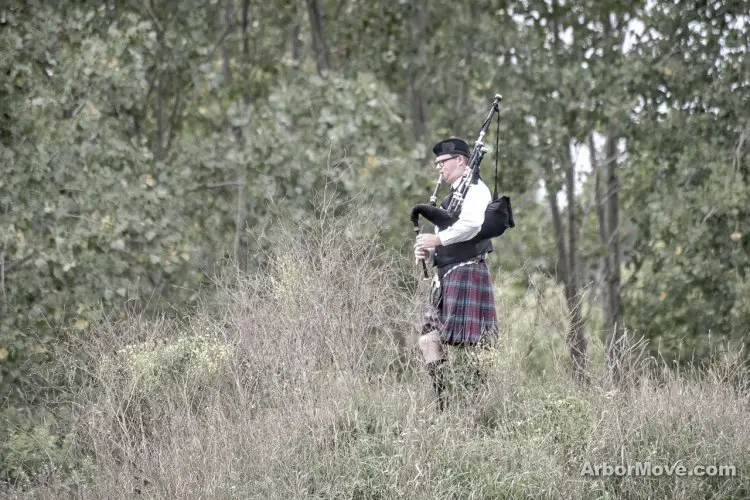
<point x="467" y="309"/>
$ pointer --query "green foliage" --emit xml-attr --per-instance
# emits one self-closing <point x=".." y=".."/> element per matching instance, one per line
<point x="192" y="367"/>
<point x="26" y="453"/>
<point x="561" y="417"/>
<point x="34" y="452"/>
<point x="199" y="360"/>
<point x="688" y="193"/>
<point x="123" y="180"/>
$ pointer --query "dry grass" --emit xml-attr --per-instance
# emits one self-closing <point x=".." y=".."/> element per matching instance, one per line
<point x="302" y="381"/>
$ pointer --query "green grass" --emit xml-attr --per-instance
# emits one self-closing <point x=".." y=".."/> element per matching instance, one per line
<point x="307" y="384"/>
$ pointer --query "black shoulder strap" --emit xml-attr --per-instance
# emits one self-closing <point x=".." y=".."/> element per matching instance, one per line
<point x="497" y="156"/>
<point x="447" y="200"/>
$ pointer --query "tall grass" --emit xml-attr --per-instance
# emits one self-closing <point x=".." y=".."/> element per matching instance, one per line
<point x="302" y="380"/>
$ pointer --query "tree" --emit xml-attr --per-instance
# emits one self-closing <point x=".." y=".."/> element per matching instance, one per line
<point x="689" y="180"/>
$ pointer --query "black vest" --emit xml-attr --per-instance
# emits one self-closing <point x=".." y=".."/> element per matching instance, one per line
<point x="461" y="251"/>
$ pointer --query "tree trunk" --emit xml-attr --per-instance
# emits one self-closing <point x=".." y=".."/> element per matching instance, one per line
<point x="318" y="40"/>
<point x="567" y="273"/>
<point x="239" y="248"/>
<point x="576" y="334"/>
<point x="615" y="331"/>
<point x="465" y="79"/>
<point x="159" y="132"/>
<point x="607" y="210"/>
<point x="614" y="338"/>
<point x="418" y="106"/>
<point x="246" y="48"/>
<point x="158" y="145"/>
<point x="557" y="226"/>
<point x="574" y="298"/>
<point x="2" y="282"/>
<point x="296" y="45"/>
<point x="415" y="95"/>
<point x="601" y="217"/>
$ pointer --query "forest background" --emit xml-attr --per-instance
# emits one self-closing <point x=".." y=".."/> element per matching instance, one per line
<point x="146" y="145"/>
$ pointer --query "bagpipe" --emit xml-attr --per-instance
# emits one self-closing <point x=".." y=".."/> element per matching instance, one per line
<point x="498" y="216"/>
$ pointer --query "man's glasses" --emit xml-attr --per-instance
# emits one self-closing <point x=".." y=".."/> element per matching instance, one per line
<point x="441" y="163"/>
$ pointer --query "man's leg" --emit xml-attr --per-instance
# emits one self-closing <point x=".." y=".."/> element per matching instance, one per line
<point x="469" y="374"/>
<point x="432" y="350"/>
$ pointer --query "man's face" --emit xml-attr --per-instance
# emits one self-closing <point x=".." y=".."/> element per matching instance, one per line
<point x="451" y="167"/>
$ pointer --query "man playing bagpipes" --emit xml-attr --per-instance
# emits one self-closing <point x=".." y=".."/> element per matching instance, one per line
<point x="461" y="311"/>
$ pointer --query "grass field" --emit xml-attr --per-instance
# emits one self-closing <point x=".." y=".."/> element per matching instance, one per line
<point x="304" y="382"/>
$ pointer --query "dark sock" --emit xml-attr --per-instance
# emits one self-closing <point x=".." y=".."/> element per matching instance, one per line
<point x="435" y="371"/>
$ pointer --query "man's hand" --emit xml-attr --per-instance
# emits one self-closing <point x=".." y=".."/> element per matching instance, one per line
<point x="427" y="241"/>
<point x="421" y="253"/>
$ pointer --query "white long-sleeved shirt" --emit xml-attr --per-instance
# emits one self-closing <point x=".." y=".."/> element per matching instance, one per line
<point x="471" y="218"/>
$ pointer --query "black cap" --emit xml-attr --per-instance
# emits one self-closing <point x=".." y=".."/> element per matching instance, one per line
<point x="451" y="146"/>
